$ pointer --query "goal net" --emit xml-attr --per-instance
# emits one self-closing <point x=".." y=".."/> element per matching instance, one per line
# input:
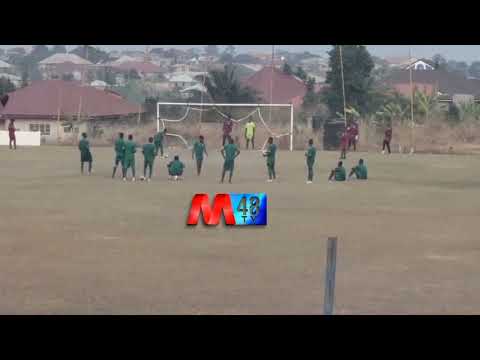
<point x="186" y="121"/>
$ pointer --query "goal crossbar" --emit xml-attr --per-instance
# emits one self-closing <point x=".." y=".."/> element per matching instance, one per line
<point x="232" y="105"/>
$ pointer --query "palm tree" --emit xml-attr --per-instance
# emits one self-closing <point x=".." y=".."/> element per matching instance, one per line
<point x="392" y="112"/>
<point x="224" y="87"/>
<point x="425" y="103"/>
<point x="469" y="111"/>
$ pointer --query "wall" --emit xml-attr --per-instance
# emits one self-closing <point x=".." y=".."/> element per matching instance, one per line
<point x="57" y="131"/>
<point x="24" y="138"/>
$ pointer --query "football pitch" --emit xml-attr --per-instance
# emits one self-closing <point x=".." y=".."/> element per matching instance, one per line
<point x="408" y="239"/>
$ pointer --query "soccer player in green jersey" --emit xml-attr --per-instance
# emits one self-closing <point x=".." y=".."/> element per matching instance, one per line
<point x="85" y="154"/>
<point x="175" y="168"/>
<point x="270" y="155"/>
<point x="129" y="160"/>
<point x="158" y="141"/>
<point x="250" y="133"/>
<point x="229" y="153"/>
<point x="197" y="152"/>
<point x="149" y="152"/>
<point x="119" y="153"/>
<point x="360" y="171"/>
<point x="310" y="156"/>
<point x="339" y="173"/>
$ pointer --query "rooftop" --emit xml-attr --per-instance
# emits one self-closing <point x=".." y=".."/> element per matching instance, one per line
<point x="45" y="98"/>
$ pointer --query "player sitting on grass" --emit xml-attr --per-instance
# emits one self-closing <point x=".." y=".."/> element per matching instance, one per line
<point x="339" y="173"/>
<point x="129" y="160"/>
<point x="175" y="168"/>
<point x="270" y="155"/>
<point x="229" y="153"/>
<point x="310" y="156"/>
<point x="360" y="171"/>
<point x="158" y="141"/>
<point x="119" y="153"/>
<point x="85" y="154"/>
<point x="197" y="152"/>
<point x="149" y="154"/>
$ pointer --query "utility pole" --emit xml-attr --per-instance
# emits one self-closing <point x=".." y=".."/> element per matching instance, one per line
<point x="343" y="88"/>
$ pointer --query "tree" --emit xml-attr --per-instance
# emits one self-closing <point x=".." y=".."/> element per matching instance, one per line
<point x="300" y="73"/>
<point x="230" y="49"/>
<point x="91" y="53"/>
<point x="440" y="63"/>
<point x="425" y="104"/>
<point x="474" y="69"/>
<point x="357" y="69"/>
<point x="224" y="87"/>
<point x="6" y="86"/>
<point x="226" y="58"/>
<point x="38" y="53"/>
<point x="59" y="49"/>
<point x="310" y="97"/>
<point x="133" y="75"/>
<point x="287" y="69"/>
<point x="460" y="67"/>
<point x="24" y="78"/>
<point x="392" y="112"/>
<point x="469" y="111"/>
<point x="211" y="50"/>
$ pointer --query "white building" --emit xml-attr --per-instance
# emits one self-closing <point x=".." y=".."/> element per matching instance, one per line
<point x="15" y="80"/>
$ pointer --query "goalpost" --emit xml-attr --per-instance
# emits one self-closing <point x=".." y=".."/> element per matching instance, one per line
<point x="209" y="106"/>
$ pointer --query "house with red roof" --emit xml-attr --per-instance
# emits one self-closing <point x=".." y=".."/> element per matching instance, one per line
<point x="276" y="87"/>
<point x="61" y="110"/>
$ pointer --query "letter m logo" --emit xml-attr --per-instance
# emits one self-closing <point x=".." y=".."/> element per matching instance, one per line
<point x="201" y="204"/>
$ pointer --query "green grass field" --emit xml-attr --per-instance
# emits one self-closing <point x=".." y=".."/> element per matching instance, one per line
<point x="408" y="237"/>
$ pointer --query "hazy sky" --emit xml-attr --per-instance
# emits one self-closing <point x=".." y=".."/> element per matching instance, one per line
<point x="456" y="52"/>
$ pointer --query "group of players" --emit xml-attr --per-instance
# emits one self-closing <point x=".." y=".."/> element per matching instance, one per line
<point x="125" y="151"/>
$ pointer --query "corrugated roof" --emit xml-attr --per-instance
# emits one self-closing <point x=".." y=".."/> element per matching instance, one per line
<point x="63" y="58"/>
<point x="446" y="82"/>
<point x="43" y="99"/>
<point x="139" y="66"/>
<point x="284" y="87"/>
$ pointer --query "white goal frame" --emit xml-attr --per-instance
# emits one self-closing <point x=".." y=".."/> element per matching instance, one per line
<point x="232" y="105"/>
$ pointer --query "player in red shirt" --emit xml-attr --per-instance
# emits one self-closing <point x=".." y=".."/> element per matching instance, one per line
<point x="352" y="132"/>
<point x="343" y="145"/>
<point x="387" y="139"/>
<point x="11" y="134"/>
<point x="227" y="129"/>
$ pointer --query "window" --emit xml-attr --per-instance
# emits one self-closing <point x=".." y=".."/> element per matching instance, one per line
<point x="67" y="129"/>
<point x="420" y="67"/>
<point x="43" y="128"/>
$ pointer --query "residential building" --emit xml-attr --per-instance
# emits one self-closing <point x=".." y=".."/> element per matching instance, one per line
<point x="144" y="69"/>
<point x="449" y="86"/>
<point x="274" y="86"/>
<point x="181" y="81"/>
<point x="420" y="64"/>
<point x="59" y="66"/>
<point x="61" y="110"/>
